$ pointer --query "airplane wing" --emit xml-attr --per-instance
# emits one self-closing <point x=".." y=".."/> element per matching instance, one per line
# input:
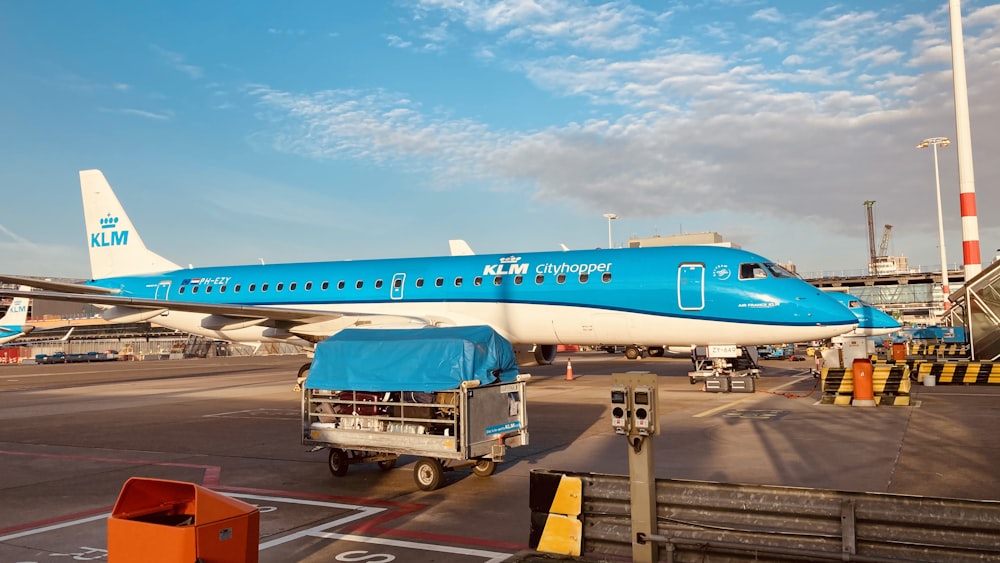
<point x="306" y="323"/>
<point x="55" y="286"/>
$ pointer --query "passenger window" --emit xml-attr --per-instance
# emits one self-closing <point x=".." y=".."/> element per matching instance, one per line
<point x="518" y="279"/>
<point x="458" y="282"/>
<point x="253" y="287"/>
<point x="378" y="284"/>
<point x="478" y="280"/>
<point x="280" y="286"/>
<point x="439" y="282"/>
<point x="309" y="286"/>
<point x="584" y="278"/>
<point x="539" y="279"/>
<point x="359" y="285"/>
<point x="208" y="289"/>
<point x="222" y="289"/>
<point x="561" y="278"/>
<point x="291" y="286"/>
<point x="606" y="277"/>
<point x="341" y="284"/>
<point x="181" y="290"/>
<point x="420" y="282"/>
<point x="325" y="285"/>
<point x="497" y="280"/>
<point x="263" y="287"/>
<point x="237" y="288"/>
<point x="397" y="283"/>
<point x="194" y="289"/>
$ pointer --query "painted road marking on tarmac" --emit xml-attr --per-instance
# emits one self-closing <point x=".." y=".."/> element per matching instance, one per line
<point x="730" y="404"/>
<point x="490" y="556"/>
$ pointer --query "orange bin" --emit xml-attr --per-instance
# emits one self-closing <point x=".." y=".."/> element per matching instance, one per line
<point x="156" y="520"/>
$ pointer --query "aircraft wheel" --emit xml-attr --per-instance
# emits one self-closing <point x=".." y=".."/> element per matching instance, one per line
<point x="338" y="462"/>
<point x="632" y="353"/>
<point x="428" y="474"/>
<point x="386" y="465"/>
<point x="484" y="468"/>
<point x="656" y="352"/>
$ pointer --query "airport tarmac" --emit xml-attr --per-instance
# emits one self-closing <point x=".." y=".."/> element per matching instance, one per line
<point x="71" y="435"/>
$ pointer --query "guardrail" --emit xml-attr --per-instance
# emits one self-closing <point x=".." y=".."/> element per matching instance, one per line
<point x="720" y="522"/>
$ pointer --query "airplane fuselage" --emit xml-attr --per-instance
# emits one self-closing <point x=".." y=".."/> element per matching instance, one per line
<point x="649" y="296"/>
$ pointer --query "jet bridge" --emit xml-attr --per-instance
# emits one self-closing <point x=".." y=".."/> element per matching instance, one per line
<point x="976" y="306"/>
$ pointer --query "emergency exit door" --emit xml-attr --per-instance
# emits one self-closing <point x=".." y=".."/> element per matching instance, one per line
<point x="691" y="287"/>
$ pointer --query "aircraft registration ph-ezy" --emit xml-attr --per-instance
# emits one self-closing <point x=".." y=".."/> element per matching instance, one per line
<point x="12" y="323"/>
<point x="680" y="295"/>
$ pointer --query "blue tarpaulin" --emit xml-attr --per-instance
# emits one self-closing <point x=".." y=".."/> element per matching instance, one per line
<point x="424" y="359"/>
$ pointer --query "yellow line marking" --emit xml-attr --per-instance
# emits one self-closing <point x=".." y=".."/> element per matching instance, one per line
<point x="710" y="412"/>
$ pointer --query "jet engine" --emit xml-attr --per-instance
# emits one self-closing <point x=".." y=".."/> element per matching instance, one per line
<point x="535" y="354"/>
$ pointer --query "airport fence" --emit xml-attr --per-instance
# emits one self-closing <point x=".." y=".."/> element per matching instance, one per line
<point x="721" y="522"/>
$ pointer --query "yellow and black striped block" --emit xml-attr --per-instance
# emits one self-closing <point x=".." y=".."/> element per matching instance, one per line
<point x="940" y="350"/>
<point x="556" y="502"/>
<point x="891" y="384"/>
<point x="969" y="373"/>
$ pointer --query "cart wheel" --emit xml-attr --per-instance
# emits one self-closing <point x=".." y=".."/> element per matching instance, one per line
<point x="632" y="353"/>
<point x="428" y="474"/>
<point x="484" y="468"/>
<point x="338" y="462"/>
<point x="387" y="464"/>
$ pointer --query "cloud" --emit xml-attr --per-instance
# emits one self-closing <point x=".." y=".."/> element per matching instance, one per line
<point x="176" y="61"/>
<point x="770" y="15"/>
<point x="158" y="116"/>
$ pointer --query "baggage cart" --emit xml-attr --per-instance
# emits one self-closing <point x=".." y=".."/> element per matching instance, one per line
<point x="450" y="396"/>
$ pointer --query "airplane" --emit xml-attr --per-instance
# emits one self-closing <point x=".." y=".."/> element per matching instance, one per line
<point x="538" y="300"/>
<point x="871" y="321"/>
<point x="12" y="323"/>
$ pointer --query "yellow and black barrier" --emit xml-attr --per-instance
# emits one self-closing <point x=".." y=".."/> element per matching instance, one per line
<point x="891" y="384"/>
<point x="940" y="350"/>
<point x="968" y="373"/>
<point x="556" y="503"/>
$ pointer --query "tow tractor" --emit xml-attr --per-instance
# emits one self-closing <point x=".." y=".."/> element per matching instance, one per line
<point x="724" y="369"/>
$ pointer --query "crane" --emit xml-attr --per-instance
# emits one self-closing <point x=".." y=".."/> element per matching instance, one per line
<point x="871" y="234"/>
<point x="883" y="248"/>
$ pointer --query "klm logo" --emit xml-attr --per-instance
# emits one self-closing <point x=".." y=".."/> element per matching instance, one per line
<point x="17" y="308"/>
<point x="507" y="265"/>
<point x="108" y="235"/>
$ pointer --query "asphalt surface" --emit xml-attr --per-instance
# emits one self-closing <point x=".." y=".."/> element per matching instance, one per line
<point x="71" y="435"/>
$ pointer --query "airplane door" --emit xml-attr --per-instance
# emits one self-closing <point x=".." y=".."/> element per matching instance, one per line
<point x="162" y="290"/>
<point x="396" y="289"/>
<point x="691" y="287"/>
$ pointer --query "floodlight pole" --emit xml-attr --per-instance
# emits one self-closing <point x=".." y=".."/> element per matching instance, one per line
<point x="939" y="142"/>
<point x="610" y="217"/>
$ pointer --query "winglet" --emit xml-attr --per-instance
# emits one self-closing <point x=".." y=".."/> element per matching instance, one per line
<point x="460" y="248"/>
<point x="116" y="249"/>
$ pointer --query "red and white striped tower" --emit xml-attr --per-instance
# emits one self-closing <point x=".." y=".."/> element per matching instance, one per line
<point x="963" y="144"/>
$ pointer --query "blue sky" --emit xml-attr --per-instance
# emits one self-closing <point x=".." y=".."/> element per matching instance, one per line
<point x="240" y="131"/>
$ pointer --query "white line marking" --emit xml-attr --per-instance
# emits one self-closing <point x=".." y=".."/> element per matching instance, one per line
<point x="52" y="527"/>
<point x="492" y="556"/>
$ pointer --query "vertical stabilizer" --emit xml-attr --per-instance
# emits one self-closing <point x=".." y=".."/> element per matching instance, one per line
<point x="116" y="249"/>
<point x="17" y="313"/>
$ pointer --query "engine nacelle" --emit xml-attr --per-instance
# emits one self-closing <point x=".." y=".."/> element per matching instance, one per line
<point x="535" y="354"/>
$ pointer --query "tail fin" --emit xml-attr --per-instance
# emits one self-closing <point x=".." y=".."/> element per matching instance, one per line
<point x="116" y="249"/>
<point x="17" y="313"/>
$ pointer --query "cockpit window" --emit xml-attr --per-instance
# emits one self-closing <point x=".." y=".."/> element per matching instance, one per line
<point x="853" y="303"/>
<point x="779" y="271"/>
<point x="751" y="271"/>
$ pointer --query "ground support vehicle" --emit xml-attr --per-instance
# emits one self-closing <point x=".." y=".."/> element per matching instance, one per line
<point x="426" y="393"/>
<point x="723" y="369"/>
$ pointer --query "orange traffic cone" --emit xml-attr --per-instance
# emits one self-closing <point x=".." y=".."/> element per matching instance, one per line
<point x="569" y="370"/>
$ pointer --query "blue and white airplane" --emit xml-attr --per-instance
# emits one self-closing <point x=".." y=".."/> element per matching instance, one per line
<point x="650" y="296"/>
<point x="12" y="324"/>
<point x="871" y="321"/>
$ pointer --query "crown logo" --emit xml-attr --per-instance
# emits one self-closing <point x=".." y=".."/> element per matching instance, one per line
<point x="510" y="260"/>
<point x="109" y="222"/>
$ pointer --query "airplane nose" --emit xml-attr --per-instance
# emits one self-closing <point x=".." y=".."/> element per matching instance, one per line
<point x="825" y="311"/>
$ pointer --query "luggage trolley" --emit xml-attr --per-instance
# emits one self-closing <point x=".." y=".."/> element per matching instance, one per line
<point x="475" y="412"/>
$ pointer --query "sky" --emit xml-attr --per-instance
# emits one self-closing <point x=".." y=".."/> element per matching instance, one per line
<point x="235" y="132"/>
